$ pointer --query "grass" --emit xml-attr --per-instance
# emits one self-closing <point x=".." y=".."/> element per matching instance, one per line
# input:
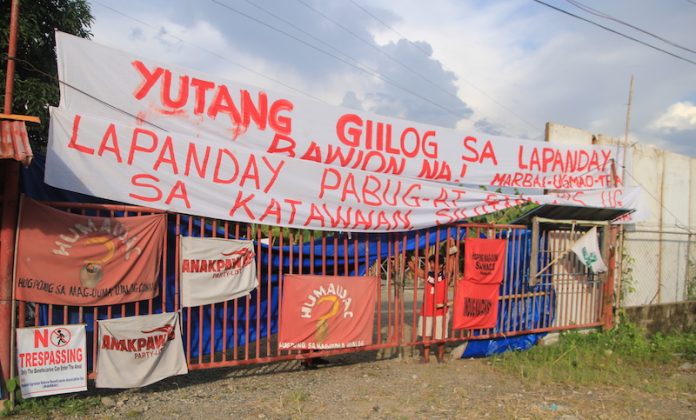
<point x="623" y="356"/>
<point x="52" y="407"/>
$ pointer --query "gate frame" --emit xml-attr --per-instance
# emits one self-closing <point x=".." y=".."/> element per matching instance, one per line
<point x="394" y="338"/>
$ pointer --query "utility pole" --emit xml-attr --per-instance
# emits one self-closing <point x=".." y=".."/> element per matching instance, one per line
<point x="620" y="246"/>
<point x="9" y="204"/>
<point x="627" y="129"/>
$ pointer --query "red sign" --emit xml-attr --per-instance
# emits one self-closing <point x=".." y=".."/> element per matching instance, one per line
<point x="484" y="260"/>
<point x="475" y="305"/>
<point x="476" y="296"/>
<point x="325" y="312"/>
<point x="71" y="259"/>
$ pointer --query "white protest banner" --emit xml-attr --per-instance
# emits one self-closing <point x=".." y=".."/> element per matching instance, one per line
<point x="51" y="360"/>
<point x="587" y="250"/>
<point x="139" y="350"/>
<point x="215" y="270"/>
<point x="123" y="87"/>
<point x="176" y="172"/>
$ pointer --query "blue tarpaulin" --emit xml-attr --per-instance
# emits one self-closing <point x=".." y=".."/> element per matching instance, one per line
<point x="518" y="314"/>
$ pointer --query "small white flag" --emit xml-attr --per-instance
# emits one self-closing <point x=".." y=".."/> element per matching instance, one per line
<point x="587" y="250"/>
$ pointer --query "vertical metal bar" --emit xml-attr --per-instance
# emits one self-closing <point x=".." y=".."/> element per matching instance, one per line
<point x="189" y="338"/>
<point x="281" y="264"/>
<point x="378" y="263"/>
<point x="533" y="268"/>
<point x="257" y="345"/>
<point x="235" y="308"/>
<point x="577" y="283"/>
<point x="224" y="307"/>
<point x="95" y="337"/>
<point x="201" y="233"/>
<point x="346" y="256"/>
<point x="291" y="270"/>
<point x="163" y="274"/>
<point x="213" y="233"/>
<point x="561" y="244"/>
<point x="554" y="280"/>
<point x="399" y="290"/>
<point x="247" y="310"/>
<point x="509" y="276"/>
<point x="311" y="252"/>
<point x="537" y="321"/>
<point x="608" y="316"/>
<point x="508" y="281"/>
<point x="177" y="226"/>
<point x="414" y="300"/>
<point x="269" y="288"/>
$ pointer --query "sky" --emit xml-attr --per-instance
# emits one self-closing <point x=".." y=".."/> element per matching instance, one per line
<point x="497" y="67"/>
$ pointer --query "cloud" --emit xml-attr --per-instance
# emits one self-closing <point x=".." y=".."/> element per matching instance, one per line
<point x="680" y="116"/>
<point x="323" y="49"/>
<point x="499" y="67"/>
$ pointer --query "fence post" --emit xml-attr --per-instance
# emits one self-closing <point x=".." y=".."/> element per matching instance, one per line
<point x="608" y="289"/>
<point x="7" y="239"/>
<point x="8" y="206"/>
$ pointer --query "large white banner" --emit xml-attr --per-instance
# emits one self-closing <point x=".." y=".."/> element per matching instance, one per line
<point x="174" y="139"/>
<point x="215" y="270"/>
<point x="122" y="87"/>
<point x="51" y="360"/>
<point x="139" y="350"/>
<point x="201" y="176"/>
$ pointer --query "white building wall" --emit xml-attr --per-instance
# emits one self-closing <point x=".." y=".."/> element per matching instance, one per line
<point x="658" y="248"/>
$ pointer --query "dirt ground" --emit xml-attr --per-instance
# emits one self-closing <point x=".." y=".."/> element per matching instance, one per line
<point x="359" y="386"/>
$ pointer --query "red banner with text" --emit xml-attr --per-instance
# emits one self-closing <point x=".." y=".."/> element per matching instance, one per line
<point x="476" y="296"/>
<point x="484" y="260"/>
<point x="475" y="305"/>
<point x="327" y="312"/>
<point x="71" y="259"/>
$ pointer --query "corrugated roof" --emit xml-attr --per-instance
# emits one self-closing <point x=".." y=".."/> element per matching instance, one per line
<point x="561" y="212"/>
<point x="14" y="142"/>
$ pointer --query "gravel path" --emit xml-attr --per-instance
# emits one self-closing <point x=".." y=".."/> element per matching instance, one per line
<point x="359" y="386"/>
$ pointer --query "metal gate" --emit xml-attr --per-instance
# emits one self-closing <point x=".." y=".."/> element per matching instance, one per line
<point x="244" y="331"/>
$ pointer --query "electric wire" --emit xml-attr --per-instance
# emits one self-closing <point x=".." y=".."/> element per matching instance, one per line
<point x="468" y="82"/>
<point x="597" y="13"/>
<point x="379" y="50"/>
<point x="614" y="31"/>
<point x="29" y="66"/>
<point x="336" y="50"/>
<point x="392" y="58"/>
<point x="386" y="25"/>
<point x="222" y="57"/>
<point x="323" y="51"/>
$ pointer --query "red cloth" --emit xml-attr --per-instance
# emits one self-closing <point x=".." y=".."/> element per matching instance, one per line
<point x="434" y="294"/>
<point x="484" y="260"/>
<point x="70" y="259"/>
<point x="327" y="312"/>
<point x="475" y="305"/>
<point x="476" y="296"/>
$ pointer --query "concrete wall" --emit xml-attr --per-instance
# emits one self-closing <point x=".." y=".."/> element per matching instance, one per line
<point x="665" y="317"/>
<point x="660" y="246"/>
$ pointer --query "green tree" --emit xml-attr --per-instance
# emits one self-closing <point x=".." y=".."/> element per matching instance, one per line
<point x="36" y="83"/>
